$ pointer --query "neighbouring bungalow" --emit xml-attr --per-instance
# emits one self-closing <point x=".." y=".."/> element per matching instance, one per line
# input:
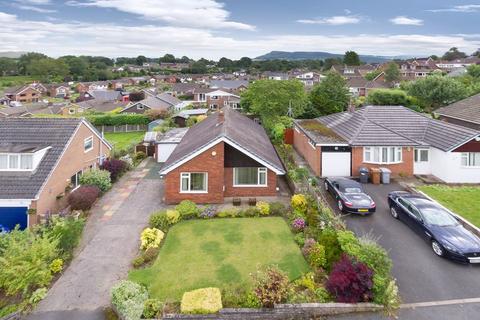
<point x="395" y="137"/>
<point x="162" y="102"/>
<point x="465" y="112"/>
<point x="41" y="160"/>
<point x="225" y="155"/>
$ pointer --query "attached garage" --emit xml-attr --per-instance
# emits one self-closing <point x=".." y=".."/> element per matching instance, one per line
<point x="168" y="142"/>
<point x="12" y="216"/>
<point x="336" y="161"/>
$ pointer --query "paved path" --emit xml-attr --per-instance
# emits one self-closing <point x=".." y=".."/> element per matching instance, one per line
<point x="109" y="243"/>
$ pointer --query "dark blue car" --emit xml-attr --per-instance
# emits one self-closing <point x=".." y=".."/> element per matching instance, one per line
<point x="447" y="237"/>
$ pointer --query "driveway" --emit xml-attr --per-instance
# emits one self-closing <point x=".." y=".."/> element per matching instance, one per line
<point x="421" y="276"/>
<point x="110" y="242"/>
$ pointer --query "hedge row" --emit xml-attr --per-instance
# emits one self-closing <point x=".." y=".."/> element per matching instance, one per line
<point x="118" y="119"/>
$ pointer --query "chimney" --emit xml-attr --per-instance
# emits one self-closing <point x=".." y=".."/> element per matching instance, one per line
<point x="221" y="117"/>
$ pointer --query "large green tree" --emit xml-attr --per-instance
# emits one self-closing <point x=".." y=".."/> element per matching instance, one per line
<point x="388" y="97"/>
<point x="453" y="54"/>
<point x="49" y="69"/>
<point x="140" y="60"/>
<point x="8" y="66"/>
<point x="27" y="58"/>
<point x="351" y="58"/>
<point x="392" y="72"/>
<point x="76" y="65"/>
<point x="436" y="91"/>
<point x="168" y="58"/>
<point x="331" y="95"/>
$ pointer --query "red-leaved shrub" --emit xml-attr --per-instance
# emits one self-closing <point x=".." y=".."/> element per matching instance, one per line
<point x="115" y="167"/>
<point x="350" y="281"/>
<point x="83" y="197"/>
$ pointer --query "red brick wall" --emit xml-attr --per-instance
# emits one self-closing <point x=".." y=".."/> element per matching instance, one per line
<point x="406" y="167"/>
<point x="204" y="162"/>
<point x="305" y="149"/>
<point x="231" y="191"/>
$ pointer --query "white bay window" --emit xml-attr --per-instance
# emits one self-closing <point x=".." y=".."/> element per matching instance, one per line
<point x="382" y="155"/>
<point x="193" y="182"/>
<point x="471" y="159"/>
<point x="250" y="177"/>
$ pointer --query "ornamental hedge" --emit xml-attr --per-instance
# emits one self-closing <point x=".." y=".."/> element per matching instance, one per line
<point x="118" y="119"/>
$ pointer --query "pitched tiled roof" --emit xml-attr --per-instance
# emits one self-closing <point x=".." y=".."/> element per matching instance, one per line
<point x="394" y="126"/>
<point x="235" y="128"/>
<point x="467" y="109"/>
<point x="48" y="132"/>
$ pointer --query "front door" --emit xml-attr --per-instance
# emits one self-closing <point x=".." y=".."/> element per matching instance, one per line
<point x="421" y="163"/>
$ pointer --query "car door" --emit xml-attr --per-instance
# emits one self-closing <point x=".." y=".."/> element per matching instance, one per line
<point x="402" y="209"/>
<point x="417" y="221"/>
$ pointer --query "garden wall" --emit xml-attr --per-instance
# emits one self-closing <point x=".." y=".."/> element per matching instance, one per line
<point x="285" y="311"/>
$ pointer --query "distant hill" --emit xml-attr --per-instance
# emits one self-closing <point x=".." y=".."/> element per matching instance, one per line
<point x="304" y="55"/>
<point x="11" y="54"/>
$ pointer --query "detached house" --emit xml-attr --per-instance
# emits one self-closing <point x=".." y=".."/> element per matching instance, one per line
<point x="41" y="160"/>
<point x="225" y="155"/>
<point x="160" y="102"/>
<point x="23" y="94"/>
<point x="465" y="112"/>
<point x="218" y="99"/>
<point x="395" y="137"/>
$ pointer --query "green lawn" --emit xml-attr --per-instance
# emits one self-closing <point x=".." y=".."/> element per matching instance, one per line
<point x="123" y="140"/>
<point x="219" y="252"/>
<point x="464" y="201"/>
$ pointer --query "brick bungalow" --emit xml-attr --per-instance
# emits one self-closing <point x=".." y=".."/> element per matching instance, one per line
<point x="40" y="161"/>
<point x="23" y="94"/>
<point x="225" y="155"/>
<point x="394" y="137"/>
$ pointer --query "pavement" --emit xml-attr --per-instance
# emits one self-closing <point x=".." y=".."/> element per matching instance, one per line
<point x="109" y="244"/>
<point x="430" y="287"/>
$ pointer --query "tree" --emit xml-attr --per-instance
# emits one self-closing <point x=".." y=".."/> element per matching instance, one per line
<point x="474" y="70"/>
<point x="168" y="58"/>
<point x="372" y="74"/>
<point x="225" y="63"/>
<point x="244" y="62"/>
<point x="453" y="54"/>
<point x="48" y="69"/>
<point x="8" y="66"/>
<point x="392" y="72"/>
<point x="330" y="62"/>
<point x="436" y="91"/>
<point x="27" y="58"/>
<point x="77" y="66"/>
<point x="351" y="58"/>
<point x="388" y="97"/>
<point x="270" y="99"/>
<point x="331" y="95"/>
<point x="184" y="59"/>
<point x="140" y="60"/>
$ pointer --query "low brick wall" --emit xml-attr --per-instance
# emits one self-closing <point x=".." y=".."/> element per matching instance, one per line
<point x="285" y="311"/>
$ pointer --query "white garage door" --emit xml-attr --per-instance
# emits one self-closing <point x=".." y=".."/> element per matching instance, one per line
<point x="164" y="150"/>
<point x="336" y="164"/>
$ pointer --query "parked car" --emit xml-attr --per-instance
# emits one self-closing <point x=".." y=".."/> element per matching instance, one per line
<point x="447" y="237"/>
<point x="350" y="196"/>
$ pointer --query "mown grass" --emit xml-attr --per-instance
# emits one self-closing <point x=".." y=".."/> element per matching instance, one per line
<point x="219" y="253"/>
<point x="124" y="140"/>
<point x="463" y="200"/>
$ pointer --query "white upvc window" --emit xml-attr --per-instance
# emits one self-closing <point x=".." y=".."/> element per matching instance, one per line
<point x="88" y="144"/>
<point x="471" y="159"/>
<point x="250" y="177"/>
<point x="16" y="162"/>
<point x="75" y="180"/>
<point x="421" y="155"/>
<point x="382" y="155"/>
<point x="194" y="182"/>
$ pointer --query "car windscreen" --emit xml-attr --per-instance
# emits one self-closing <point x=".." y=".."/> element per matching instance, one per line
<point x="438" y="217"/>
<point x="352" y="190"/>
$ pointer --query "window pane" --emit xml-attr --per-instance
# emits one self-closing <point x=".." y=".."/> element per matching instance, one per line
<point x="424" y="155"/>
<point x="376" y="155"/>
<point x="262" y="176"/>
<point x="13" y="161"/>
<point x="415" y="153"/>
<point x="26" y="161"/>
<point x="197" y="182"/>
<point x="464" y="159"/>
<point x="476" y="159"/>
<point x="391" y="154"/>
<point x="384" y="154"/>
<point x="399" y="154"/>
<point x="88" y="143"/>
<point x="247" y="176"/>
<point x="368" y="154"/>
<point x="185" y="183"/>
<point x="3" y="161"/>
<point x="73" y="180"/>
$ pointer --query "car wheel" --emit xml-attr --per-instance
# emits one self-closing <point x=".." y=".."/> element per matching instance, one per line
<point x="437" y="248"/>
<point x="394" y="212"/>
<point x="340" y="205"/>
<point x="326" y="186"/>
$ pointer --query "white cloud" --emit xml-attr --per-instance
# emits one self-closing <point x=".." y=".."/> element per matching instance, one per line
<point x="333" y="21"/>
<point x="61" y="38"/>
<point x="460" y="8"/>
<point x="402" y="20"/>
<point x="186" y="13"/>
<point x="36" y="9"/>
<point x="34" y="2"/>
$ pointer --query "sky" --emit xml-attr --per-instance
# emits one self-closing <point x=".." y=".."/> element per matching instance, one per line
<point x="237" y="28"/>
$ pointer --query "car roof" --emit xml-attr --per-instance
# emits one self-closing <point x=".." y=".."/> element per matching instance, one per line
<point x="419" y="201"/>
<point x="345" y="182"/>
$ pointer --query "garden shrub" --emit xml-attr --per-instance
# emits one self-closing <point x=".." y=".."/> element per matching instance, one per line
<point x="187" y="209"/>
<point x="208" y="212"/>
<point x="95" y="177"/>
<point x="150" y="254"/>
<point x="234" y="296"/>
<point x="152" y="308"/>
<point x="138" y="261"/>
<point x="37" y="296"/>
<point x="56" y="266"/>
<point x="307" y="281"/>
<point x="299" y="239"/>
<point x="201" y="301"/>
<point x="251" y="212"/>
<point x="68" y="231"/>
<point x="263" y="207"/>
<point x="298" y="224"/>
<point x="164" y="219"/>
<point x="139" y="156"/>
<point x="333" y="251"/>
<point x="25" y="261"/>
<point x="307" y="246"/>
<point x="172" y="216"/>
<point x="322" y="295"/>
<point x="129" y="298"/>
<point x="83" y="198"/>
<point x="116" y="168"/>
<point x="350" y="281"/>
<point x="151" y="238"/>
<point x="109" y="119"/>
<point x="348" y="242"/>
<point x="277" y="209"/>
<point x="229" y="213"/>
<point x="316" y="256"/>
<point x="299" y="203"/>
<point x="271" y="286"/>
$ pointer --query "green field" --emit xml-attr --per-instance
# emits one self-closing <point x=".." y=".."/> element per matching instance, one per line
<point x="11" y="81"/>
<point x="124" y="140"/>
<point x="464" y="201"/>
<point x="218" y="253"/>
